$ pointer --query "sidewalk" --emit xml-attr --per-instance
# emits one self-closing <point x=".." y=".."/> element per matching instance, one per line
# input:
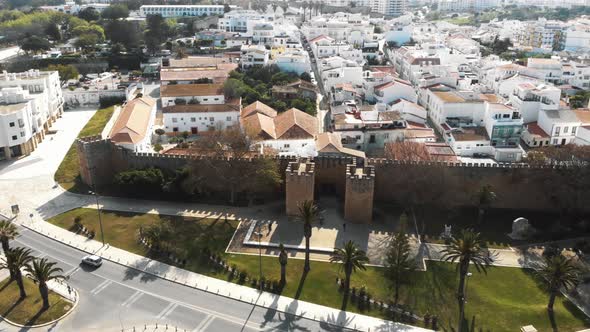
<point x="288" y="305"/>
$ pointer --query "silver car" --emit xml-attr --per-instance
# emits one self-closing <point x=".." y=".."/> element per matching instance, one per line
<point x="92" y="260"/>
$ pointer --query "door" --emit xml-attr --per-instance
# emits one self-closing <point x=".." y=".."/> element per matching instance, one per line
<point x="563" y="141"/>
<point x="194" y="130"/>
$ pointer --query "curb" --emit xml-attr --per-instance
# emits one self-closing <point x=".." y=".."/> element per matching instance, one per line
<point x="255" y="303"/>
<point x="48" y="323"/>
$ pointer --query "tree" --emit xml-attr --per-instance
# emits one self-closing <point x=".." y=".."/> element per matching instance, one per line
<point x="42" y="271"/>
<point x="308" y="213"/>
<point x="66" y="72"/>
<point x="52" y="31"/>
<point x="352" y="259"/>
<point x="398" y="260"/>
<point x="35" y="44"/>
<point x="8" y="232"/>
<point x="283" y="258"/>
<point x="89" y="14"/>
<point x="117" y="48"/>
<point x="466" y="249"/>
<point x="230" y="168"/>
<point x="160" y="132"/>
<point x="16" y="259"/>
<point x="485" y="197"/>
<point x="115" y="12"/>
<point x="156" y="33"/>
<point x="93" y="29"/>
<point x="226" y="8"/>
<point x="377" y="29"/>
<point x="558" y="272"/>
<point x="305" y="76"/>
<point x="86" y="41"/>
<point x="233" y="88"/>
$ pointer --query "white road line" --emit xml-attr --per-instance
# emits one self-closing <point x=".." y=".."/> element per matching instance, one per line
<point x="100" y="287"/>
<point x="124" y="304"/>
<point x="72" y="271"/>
<point x="170" y="305"/>
<point x="228" y="318"/>
<point x="169" y="311"/>
<point x="203" y="323"/>
<point x="135" y="299"/>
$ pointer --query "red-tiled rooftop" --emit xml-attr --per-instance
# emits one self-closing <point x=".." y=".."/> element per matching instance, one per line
<point x="534" y="129"/>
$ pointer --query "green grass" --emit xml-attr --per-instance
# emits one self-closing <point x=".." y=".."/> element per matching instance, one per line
<point x="68" y="173"/>
<point x="28" y="311"/>
<point x="501" y="300"/>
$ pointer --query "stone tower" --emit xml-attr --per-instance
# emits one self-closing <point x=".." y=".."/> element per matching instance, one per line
<point x="299" y="182"/>
<point x="360" y="185"/>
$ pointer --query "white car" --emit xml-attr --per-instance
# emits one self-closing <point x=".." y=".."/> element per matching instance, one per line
<point x="92" y="260"/>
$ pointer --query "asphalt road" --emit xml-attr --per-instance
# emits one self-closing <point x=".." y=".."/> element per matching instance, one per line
<point x="114" y="297"/>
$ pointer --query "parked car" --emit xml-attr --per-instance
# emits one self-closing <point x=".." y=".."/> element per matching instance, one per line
<point x="481" y="155"/>
<point x="92" y="260"/>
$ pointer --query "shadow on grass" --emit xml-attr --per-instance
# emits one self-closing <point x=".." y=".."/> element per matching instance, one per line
<point x="34" y="318"/>
<point x="301" y="283"/>
<point x="6" y="285"/>
<point x="14" y="305"/>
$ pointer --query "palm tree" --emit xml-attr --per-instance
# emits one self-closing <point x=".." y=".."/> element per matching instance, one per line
<point x="467" y="249"/>
<point x="16" y="259"/>
<point x="308" y="212"/>
<point x="558" y="271"/>
<point x="8" y="232"/>
<point x="398" y="261"/>
<point x="352" y="258"/>
<point x="485" y="197"/>
<point x="283" y="261"/>
<point x="42" y="271"/>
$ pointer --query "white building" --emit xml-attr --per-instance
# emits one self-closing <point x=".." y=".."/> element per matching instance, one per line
<point x="293" y="60"/>
<point x="199" y="118"/>
<point x="134" y="126"/>
<point x="254" y="56"/>
<point x="181" y="10"/>
<point x="243" y="21"/>
<point x="530" y="99"/>
<point x="553" y="127"/>
<point x="467" y="5"/>
<point x="550" y="68"/>
<point x="578" y="36"/>
<point x="183" y="94"/>
<point x="342" y="27"/>
<point x="30" y="102"/>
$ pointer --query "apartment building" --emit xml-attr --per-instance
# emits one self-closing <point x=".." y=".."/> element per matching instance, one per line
<point x="254" y="56"/>
<point x="243" y="21"/>
<point x="29" y="104"/>
<point x="182" y="10"/>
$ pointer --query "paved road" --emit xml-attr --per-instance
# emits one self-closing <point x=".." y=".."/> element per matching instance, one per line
<point x="7" y="53"/>
<point x="113" y="297"/>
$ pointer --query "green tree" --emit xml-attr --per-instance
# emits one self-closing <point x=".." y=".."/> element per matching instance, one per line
<point x="156" y="33"/>
<point x="141" y="181"/>
<point x="558" y="272"/>
<point x="308" y="213"/>
<point x="398" y="261"/>
<point x="233" y="88"/>
<point x="89" y="29"/>
<point x="42" y="271"/>
<point x="52" y="31"/>
<point x="117" y="48"/>
<point x="283" y="258"/>
<point x="86" y="41"/>
<point x="124" y="32"/>
<point x="8" y="232"/>
<point x="35" y="44"/>
<point x="466" y="249"/>
<point x="352" y="259"/>
<point x="66" y="72"/>
<point x="160" y="132"/>
<point x="16" y="259"/>
<point x="305" y="76"/>
<point x="115" y="12"/>
<point x="89" y="14"/>
<point x="485" y="197"/>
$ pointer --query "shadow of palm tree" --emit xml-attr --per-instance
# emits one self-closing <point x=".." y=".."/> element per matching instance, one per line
<point x="34" y="318"/>
<point x="335" y="324"/>
<point x="300" y="287"/>
<point x="14" y="305"/>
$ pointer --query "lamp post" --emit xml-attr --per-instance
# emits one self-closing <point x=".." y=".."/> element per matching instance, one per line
<point x="259" y="234"/>
<point x="469" y="274"/>
<point x="98" y="210"/>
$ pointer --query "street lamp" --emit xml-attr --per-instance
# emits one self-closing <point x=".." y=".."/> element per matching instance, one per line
<point x="469" y="274"/>
<point x="259" y="234"/>
<point x="98" y="210"/>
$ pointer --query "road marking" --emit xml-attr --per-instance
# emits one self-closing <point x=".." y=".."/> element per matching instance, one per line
<point x="204" y="324"/>
<point x="100" y="287"/>
<point x="72" y="271"/>
<point x="132" y="299"/>
<point x="165" y="310"/>
<point x="228" y="318"/>
<point x="169" y="311"/>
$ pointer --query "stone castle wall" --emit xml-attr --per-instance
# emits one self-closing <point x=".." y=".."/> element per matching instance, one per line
<point x="446" y="184"/>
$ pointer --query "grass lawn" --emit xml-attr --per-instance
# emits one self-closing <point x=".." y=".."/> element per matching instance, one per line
<point x="501" y="300"/>
<point x="68" y="173"/>
<point x="28" y="311"/>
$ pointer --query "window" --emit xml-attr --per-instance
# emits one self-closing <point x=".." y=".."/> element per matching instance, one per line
<point x="205" y="99"/>
<point x="357" y="137"/>
<point x="174" y="120"/>
<point x="14" y="137"/>
<point x="505" y="116"/>
<point x="228" y="118"/>
<point x="193" y="119"/>
<point x="557" y="129"/>
<point x="287" y="146"/>
<point x="21" y="123"/>
<point x="565" y="129"/>
<point x="574" y="130"/>
<point x="174" y="129"/>
<point x="11" y="124"/>
<point x="555" y="141"/>
<point x="211" y="119"/>
<point x="22" y="134"/>
<point x="372" y="139"/>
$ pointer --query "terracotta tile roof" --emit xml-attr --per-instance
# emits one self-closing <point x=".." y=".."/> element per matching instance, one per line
<point x="318" y="38"/>
<point x="132" y="123"/>
<point x="385" y="69"/>
<point x="534" y="129"/>
<point x="258" y="107"/>
<point x="260" y="125"/>
<point x="294" y="117"/>
<point x="332" y="143"/>
<point x="449" y="97"/>
<point x="583" y="115"/>
<point x="231" y="106"/>
<point x="200" y="61"/>
<point x="188" y="90"/>
<point x="420" y="133"/>
<point x="218" y="75"/>
<point x="346" y="87"/>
